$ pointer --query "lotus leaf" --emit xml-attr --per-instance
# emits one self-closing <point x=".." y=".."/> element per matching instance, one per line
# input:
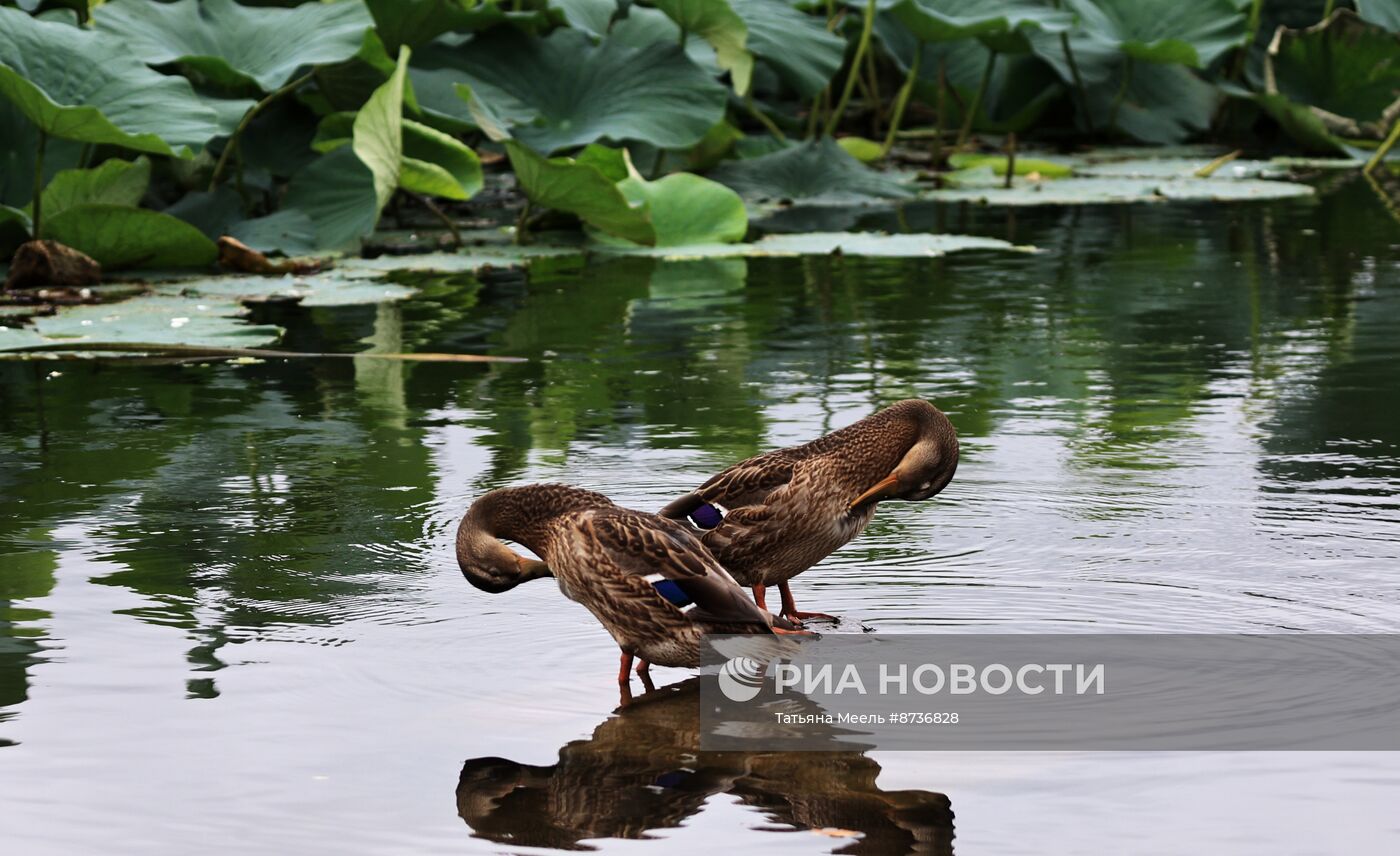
<point x="1003" y="25"/>
<point x="151" y="319"/>
<point x="563" y="90"/>
<point x="1194" y="34"/>
<point x="83" y="85"/>
<point x="119" y="236"/>
<point x="337" y="192"/>
<point x="232" y="45"/>
<point x="797" y="46"/>
<point x="819" y="170"/>
<point x="115" y="182"/>
<point x="716" y="22"/>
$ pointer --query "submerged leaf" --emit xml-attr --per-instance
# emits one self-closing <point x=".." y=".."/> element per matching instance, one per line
<point x="231" y="45"/>
<point x="118" y="236"/>
<point x="82" y="85"/>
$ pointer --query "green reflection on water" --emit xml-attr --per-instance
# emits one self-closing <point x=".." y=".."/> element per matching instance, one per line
<point x="235" y="500"/>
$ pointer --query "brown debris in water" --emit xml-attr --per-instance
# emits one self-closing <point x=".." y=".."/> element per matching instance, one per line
<point x="45" y="262"/>
<point x="237" y="256"/>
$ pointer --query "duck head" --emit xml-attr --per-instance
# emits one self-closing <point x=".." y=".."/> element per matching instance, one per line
<point x="487" y="563"/>
<point x="928" y="464"/>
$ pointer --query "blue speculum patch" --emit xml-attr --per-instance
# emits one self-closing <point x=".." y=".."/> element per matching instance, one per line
<point x="706" y="516"/>
<point x="672" y="591"/>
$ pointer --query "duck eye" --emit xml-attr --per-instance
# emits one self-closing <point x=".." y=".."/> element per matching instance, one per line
<point x="925" y="485"/>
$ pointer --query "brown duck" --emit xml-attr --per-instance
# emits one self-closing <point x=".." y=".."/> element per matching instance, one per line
<point x="773" y="516"/>
<point x="647" y="579"/>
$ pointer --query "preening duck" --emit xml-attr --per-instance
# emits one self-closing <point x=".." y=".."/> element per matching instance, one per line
<point x="647" y="579"/>
<point x="771" y="517"/>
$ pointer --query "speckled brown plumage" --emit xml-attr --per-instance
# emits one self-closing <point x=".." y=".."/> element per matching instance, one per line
<point x="601" y="554"/>
<point x="790" y="508"/>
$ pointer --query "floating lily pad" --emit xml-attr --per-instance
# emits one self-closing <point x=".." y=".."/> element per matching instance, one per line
<point x="1095" y="191"/>
<point x="231" y="44"/>
<point x="825" y="243"/>
<point x="332" y="288"/>
<point x="149" y="319"/>
<point x="1177" y="168"/>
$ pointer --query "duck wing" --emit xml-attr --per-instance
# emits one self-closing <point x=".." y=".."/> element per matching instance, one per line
<point x="652" y="557"/>
<point x="746" y="483"/>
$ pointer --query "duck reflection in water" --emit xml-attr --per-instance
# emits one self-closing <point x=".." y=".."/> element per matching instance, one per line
<point x="643" y="770"/>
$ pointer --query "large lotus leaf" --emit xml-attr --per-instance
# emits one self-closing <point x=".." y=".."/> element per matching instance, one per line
<point x="1382" y="13"/>
<point x="115" y="182"/>
<point x="563" y="90"/>
<point x="151" y="319"/>
<point x="230" y="44"/>
<point x="1002" y="25"/>
<point x="716" y="22"/>
<point x="797" y="46"/>
<point x="82" y="85"/>
<point x="119" y="236"/>
<point x="1162" y="104"/>
<point x="591" y="16"/>
<point x="378" y="132"/>
<point x="581" y="188"/>
<point x="415" y="22"/>
<point x="688" y="209"/>
<point x="1345" y="71"/>
<point x="337" y="191"/>
<point x="289" y="231"/>
<point x="1194" y="33"/>
<point x="818" y="170"/>
<point x="1017" y="94"/>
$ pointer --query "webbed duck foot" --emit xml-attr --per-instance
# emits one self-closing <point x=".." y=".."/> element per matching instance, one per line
<point x="791" y="612"/>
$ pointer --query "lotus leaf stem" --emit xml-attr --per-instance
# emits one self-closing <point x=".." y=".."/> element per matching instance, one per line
<point x="1122" y="92"/>
<point x="38" y="218"/>
<point x="976" y="104"/>
<point x="902" y="101"/>
<point x="1079" y="81"/>
<point x="1370" y="167"/>
<point x="763" y="119"/>
<point x="866" y="26"/>
<point x="247" y="120"/>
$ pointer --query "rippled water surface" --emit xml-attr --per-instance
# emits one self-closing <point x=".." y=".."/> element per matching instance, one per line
<point x="231" y="621"/>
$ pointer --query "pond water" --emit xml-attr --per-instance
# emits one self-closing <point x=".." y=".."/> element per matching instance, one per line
<point x="231" y="621"/>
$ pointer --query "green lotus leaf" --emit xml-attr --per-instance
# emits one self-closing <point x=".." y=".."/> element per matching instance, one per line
<point x="1344" y="72"/>
<point x="86" y="86"/>
<point x="1194" y="34"/>
<point x="818" y="170"/>
<point x="232" y="45"/>
<point x="115" y="182"/>
<point x="1382" y="13"/>
<point x="337" y="192"/>
<point x="1161" y="104"/>
<point x="688" y="209"/>
<point x="1003" y="25"/>
<point x="797" y="46"/>
<point x="716" y="22"/>
<point x="590" y="16"/>
<point x="119" y="236"/>
<point x="583" y="189"/>
<point x="563" y="90"/>
<point x="378" y="132"/>
<point x="433" y="162"/>
<point x="416" y="22"/>
<point x="289" y="231"/>
<point x="1018" y="91"/>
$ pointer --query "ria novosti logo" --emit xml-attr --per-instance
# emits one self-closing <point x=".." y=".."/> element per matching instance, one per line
<point x="741" y="678"/>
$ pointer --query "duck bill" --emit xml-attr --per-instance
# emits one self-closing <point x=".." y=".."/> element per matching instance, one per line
<point x="880" y="490"/>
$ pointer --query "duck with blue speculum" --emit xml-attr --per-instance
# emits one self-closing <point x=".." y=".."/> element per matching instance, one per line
<point x="771" y="517"/>
<point x="646" y="579"/>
